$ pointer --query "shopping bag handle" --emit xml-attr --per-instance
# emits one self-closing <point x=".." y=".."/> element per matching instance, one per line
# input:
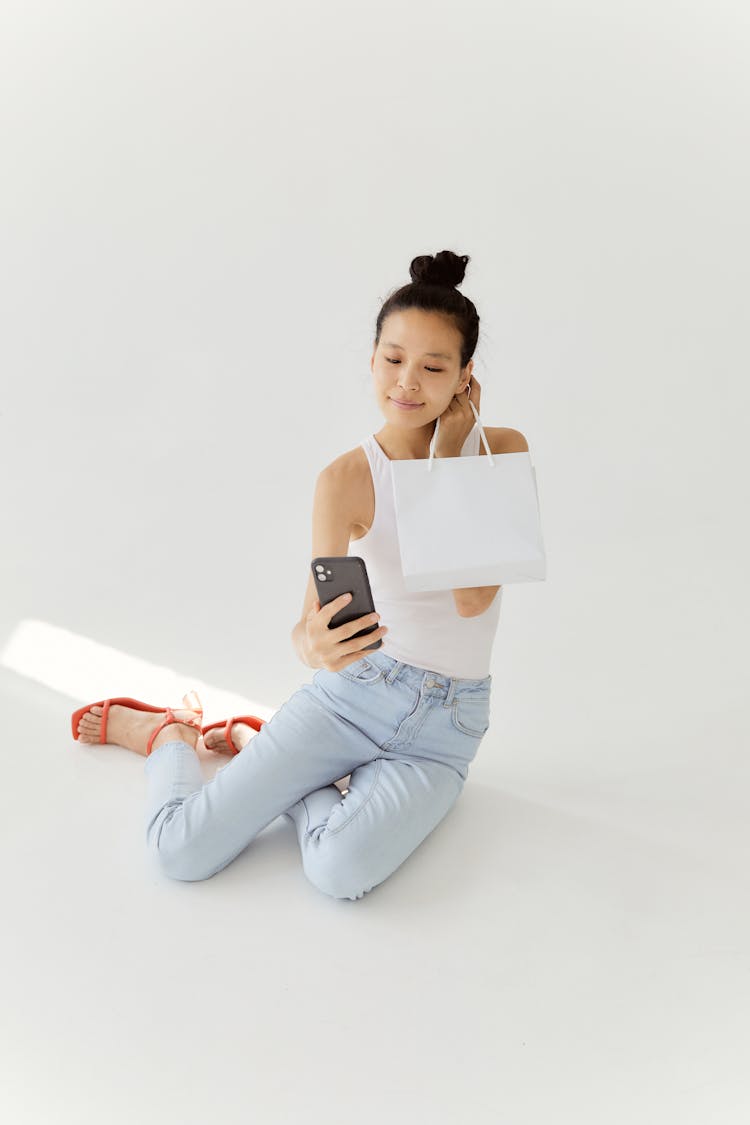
<point x="487" y="449"/>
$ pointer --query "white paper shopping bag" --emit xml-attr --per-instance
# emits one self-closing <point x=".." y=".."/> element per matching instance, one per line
<point x="468" y="521"/>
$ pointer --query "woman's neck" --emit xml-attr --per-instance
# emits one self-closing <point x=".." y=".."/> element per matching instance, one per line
<point x="406" y="445"/>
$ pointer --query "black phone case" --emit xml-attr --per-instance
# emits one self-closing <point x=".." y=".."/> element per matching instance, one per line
<point x="345" y="574"/>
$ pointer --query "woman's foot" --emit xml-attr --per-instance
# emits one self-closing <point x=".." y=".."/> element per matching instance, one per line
<point x="131" y="728"/>
<point x="241" y="735"/>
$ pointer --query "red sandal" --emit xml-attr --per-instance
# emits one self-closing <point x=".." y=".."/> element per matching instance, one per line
<point x="251" y="720"/>
<point x="137" y="705"/>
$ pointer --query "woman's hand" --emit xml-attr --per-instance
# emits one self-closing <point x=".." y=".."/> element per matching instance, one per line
<point x="334" y="649"/>
<point x="457" y="421"/>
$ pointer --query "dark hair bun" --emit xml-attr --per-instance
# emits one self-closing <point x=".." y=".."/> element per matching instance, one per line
<point x="443" y="268"/>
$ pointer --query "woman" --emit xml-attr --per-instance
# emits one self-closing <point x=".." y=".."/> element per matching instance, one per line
<point x="402" y="722"/>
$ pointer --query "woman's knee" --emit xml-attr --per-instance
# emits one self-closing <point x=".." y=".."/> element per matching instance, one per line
<point x="340" y="886"/>
<point x="184" y="870"/>
<point x="340" y="876"/>
<point x="173" y="854"/>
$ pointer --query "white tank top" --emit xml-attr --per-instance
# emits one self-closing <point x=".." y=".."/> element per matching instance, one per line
<point x="425" y="628"/>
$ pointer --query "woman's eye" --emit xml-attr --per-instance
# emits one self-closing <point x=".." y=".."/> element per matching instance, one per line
<point x="437" y="370"/>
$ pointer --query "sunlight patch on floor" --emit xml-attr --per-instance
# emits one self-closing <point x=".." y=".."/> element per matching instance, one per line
<point x="87" y="670"/>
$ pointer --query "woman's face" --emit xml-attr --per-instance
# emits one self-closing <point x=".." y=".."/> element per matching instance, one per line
<point x="405" y="366"/>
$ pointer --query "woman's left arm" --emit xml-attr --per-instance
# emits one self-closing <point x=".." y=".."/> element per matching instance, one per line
<point x="473" y="600"/>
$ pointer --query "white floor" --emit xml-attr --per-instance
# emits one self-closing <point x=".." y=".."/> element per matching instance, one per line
<point x="570" y="945"/>
<point x="201" y="215"/>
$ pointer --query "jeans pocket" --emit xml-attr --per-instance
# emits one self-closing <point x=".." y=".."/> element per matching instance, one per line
<point x="471" y="714"/>
<point x="363" y="672"/>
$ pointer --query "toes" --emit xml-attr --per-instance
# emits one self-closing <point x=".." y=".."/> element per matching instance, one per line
<point x="214" y="740"/>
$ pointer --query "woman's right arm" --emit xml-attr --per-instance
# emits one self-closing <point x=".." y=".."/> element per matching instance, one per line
<point x="333" y="520"/>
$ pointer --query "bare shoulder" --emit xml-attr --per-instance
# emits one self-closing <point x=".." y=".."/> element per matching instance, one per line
<point x="354" y="486"/>
<point x="349" y="464"/>
<point x="503" y="439"/>
<point x="349" y="473"/>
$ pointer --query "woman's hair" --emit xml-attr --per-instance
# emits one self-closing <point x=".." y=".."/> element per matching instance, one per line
<point x="434" y="278"/>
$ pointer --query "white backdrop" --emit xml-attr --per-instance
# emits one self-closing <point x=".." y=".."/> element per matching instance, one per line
<point x="203" y="208"/>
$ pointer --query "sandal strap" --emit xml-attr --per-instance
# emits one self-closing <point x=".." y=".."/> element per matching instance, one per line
<point x="169" y="721"/>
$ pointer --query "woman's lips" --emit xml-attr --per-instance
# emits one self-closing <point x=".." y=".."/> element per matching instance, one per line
<point x="406" y="405"/>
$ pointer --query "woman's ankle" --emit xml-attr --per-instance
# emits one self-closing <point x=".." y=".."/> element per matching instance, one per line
<point x="176" y="732"/>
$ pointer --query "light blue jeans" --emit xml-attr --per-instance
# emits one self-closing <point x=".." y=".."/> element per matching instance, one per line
<point x="405" y="734"/>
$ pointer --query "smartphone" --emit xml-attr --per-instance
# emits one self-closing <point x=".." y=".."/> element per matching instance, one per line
<point x="346" y="574"/>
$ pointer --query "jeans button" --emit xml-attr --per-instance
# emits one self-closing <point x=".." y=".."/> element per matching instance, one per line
<point x="430" y="683"/>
